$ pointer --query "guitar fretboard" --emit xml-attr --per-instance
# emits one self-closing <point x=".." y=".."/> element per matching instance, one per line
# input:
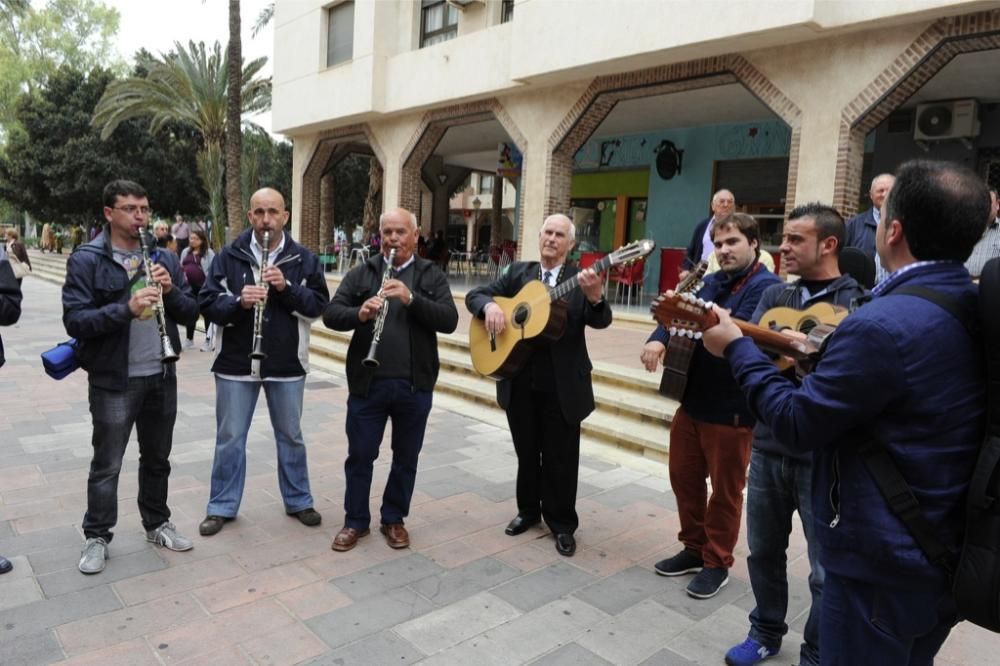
<point x="564" y="288"/>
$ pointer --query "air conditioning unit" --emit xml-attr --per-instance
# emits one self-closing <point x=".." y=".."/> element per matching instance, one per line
<point x="955" y="119"/>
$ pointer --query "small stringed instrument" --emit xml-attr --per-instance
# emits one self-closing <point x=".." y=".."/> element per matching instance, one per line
<point x="685" y="315"/>
<point x="535" y="313"/>
<point x="680" y="348"/>
<point x="804" y="320"/>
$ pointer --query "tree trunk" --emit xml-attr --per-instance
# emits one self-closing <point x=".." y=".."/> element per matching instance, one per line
<point x="373" y="200"/>
<point x="234" y="135"/>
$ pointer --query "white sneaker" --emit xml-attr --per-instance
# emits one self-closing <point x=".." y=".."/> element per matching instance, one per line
<point x="93" y="556"/>
<point x="207" y="346"/>
<point x="188" y="344"/>
<point x="166" y="535"/>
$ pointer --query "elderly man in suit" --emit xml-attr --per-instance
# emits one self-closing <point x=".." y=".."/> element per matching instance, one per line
<point x="861" y="227"/>
<point x="552" y="392"/>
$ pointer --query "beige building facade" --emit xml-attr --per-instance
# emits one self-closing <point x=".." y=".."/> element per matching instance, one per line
<point x="430" y="87"/>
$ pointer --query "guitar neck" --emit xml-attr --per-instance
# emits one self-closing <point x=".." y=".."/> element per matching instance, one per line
<point x="773" y="341"/>
<point x="566" y="287"/>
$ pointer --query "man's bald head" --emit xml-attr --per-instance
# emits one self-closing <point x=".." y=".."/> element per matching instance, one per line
<point x="399" y="215"/>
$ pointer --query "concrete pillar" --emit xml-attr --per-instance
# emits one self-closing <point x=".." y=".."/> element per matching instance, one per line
<point x="326" y="189"/>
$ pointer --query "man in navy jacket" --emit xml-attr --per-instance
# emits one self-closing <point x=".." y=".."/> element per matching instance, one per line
<point x="905" y="371"/>
<point x="861" y="227"/>
<point x="108" y="308"/>
<point x="700" y="247"/>
<point x="711" y="430"/>
<point x="292" y="289"/>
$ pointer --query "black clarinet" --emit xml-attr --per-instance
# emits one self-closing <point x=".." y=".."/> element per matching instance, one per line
<point x="167" y="353"/>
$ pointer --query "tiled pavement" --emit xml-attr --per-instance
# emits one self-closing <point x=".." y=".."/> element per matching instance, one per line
<point x="267" y="590"/>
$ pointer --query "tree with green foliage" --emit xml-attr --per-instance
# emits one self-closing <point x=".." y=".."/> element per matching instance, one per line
<point x="188" y="87"/>
<point x="266" y="163"/>
<point x="36" y="42"/>
<point x="56" y="164"/>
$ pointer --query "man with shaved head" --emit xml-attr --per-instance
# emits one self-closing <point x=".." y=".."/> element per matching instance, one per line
<point x="861" y="228"/>
<point x="287" y="281"/>
<point x="552" y="392"/>
<point x="398" y="385"/>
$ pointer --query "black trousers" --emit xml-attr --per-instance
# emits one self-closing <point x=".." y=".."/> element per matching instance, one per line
<point x="548" y="458"/>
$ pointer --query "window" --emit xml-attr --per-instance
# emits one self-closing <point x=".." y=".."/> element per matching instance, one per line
<point x="486" y="183"/>
<point x="340" y="33"/>
<point x="438" y="22"/>
<point x="506" y="11"/>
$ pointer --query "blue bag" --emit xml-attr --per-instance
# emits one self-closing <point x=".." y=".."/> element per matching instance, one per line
<point x="61" y="360"/>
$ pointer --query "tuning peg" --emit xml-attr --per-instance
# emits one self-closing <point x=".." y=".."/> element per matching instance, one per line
<point x="697" y="336"/>
<point x="673" y="330"/>
<point x="708" y="305"/>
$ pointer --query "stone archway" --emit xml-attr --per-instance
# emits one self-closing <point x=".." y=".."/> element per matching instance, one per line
<point x="914" y="67"/>
<point x="432" y="129"/>
<point x="606" y="91"/>
<point x="331" y="147"/>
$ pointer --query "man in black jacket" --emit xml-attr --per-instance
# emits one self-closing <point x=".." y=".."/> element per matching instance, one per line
<point x="418" y="305"/>
<point x="552" y="393"/>
<point x="292" y="291"/>
<point x="10" y="312"/>
<point x="110" y="311"/>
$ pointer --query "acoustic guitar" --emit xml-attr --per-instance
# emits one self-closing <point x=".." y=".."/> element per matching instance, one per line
<point x="536" y="313"/>
<point x="686" y="316"/>
<point x="680" y="348"/>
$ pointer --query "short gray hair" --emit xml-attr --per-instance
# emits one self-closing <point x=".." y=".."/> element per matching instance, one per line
<point x="560" y="216"/>
<point x="384" y="216"/>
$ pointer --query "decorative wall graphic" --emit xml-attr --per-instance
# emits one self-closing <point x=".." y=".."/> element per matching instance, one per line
<point x="608" y="152"/>
<point x="757" y="140"/>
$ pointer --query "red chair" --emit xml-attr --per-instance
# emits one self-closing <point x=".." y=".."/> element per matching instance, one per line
<point x="627" y="277"/>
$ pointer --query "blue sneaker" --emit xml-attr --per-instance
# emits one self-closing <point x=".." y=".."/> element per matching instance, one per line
<point x="748" y="653"/>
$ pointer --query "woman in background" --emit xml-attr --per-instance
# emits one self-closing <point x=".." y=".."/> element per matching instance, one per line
<point x="196" y="259"/>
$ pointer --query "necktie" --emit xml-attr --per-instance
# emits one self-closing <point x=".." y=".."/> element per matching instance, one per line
<point x="548" y="278"/>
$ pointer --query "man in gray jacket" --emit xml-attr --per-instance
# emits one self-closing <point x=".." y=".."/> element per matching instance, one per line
<point x="779" y="479"/>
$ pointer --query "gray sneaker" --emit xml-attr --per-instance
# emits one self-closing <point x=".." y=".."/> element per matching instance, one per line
<point x="166" y="535"/>
<point x="93" y="556"/>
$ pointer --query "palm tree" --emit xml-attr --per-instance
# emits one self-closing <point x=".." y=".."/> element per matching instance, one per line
<point x="234" y="151"/>
<point x="190" y="87"/>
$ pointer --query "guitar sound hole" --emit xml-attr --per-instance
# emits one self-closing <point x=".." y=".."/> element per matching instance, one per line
<point x="521" y="313"/>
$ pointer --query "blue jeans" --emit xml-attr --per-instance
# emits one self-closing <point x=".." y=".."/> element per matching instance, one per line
<point x="777" y="486"/>
<point x="366" y="418"/>
<point x="234" y="405"/>
<point x="865" y="623"/>
<point x="149" y="403"/>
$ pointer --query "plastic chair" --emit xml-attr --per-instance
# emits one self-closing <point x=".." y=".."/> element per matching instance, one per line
<point x="627" y="277"/>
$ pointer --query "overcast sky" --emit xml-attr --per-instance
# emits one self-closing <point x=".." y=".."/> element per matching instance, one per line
<point x="156" y="25"/>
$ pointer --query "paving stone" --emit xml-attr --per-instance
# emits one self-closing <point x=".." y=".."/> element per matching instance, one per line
<point x="314" y="599"/>
<point x="387" y="576"/>
<point x="134" y="653"/>
<point x="499" y="492"/>
<point x="197" y="574"/>
<point x="251" y="587"/>
<point x="370" y="616"/>
<point x="118" y="568"/>
<point x="456" y="622"/>
<point x="666" y="657"/>
<point x="48" y="613"/>
<point x="455" y="584"/>
<point x="30" y="650"/>
<point x="672" y="595"/>
<point x="616" y="593"/>
<point x="385" y="647"/>
<point x="635" y="634"/>
<point x="540" y="587"/>
<point x="571" y="655"/>
<point x="289" y="645"/>
<point x="707" y="640"/>
<point x="631" y="493"/>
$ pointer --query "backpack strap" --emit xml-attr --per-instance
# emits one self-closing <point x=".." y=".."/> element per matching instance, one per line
<point x="904" y="504"/>
<point x="965" y="315"/>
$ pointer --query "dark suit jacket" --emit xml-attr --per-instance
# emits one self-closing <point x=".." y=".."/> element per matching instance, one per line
<point x="697" y="245"/>
<point x="861" y="232"/>
<point x="570" y="359"/>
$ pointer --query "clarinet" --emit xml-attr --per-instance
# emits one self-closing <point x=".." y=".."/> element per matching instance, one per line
<point x="167" y="353"/>
<point x="258" y="308"/>
<point x="370" y="361"/>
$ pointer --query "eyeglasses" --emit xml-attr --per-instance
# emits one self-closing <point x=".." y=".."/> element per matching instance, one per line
<point x="131" y="210"/>
<point x="270" y="212"/>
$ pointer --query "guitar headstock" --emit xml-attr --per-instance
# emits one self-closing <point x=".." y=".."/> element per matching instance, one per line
<point x="683" y="314"/>
<point x="634" y="251"/>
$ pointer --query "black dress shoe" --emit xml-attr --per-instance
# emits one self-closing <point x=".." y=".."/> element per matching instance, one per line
<point x="212" y="525"/>
<point x="308" y="517"/>
<point x="5" y="565"/>
<point x="520" y="524"/>
<point x="565" y="545"/>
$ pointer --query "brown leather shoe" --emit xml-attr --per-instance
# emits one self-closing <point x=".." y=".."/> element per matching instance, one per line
<point x="347" y="538"/>
<point x="395" y="535"/>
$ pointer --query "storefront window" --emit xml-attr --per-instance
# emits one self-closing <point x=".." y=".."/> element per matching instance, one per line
<point x="595" y="224"/>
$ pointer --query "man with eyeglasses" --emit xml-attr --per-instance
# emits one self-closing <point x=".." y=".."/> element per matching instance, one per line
<point x="108" y="308"/>
<point x="292" y="290"/>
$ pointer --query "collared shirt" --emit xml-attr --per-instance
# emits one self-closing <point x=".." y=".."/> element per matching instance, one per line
<point x="892" y="278"/>
<point x="554" y="277"/>
<point x="258" y="251"/>
<point x="987" y="248"/>
<point x="880" y="273"/>
<point x="707" y="246"/>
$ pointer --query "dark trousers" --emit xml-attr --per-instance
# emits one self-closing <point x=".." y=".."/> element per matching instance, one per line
<point x="366" y="418"/>
<point x="710" y="526"/>
<point x="149" y="403"/>
<point x="548" y="458"/>
<point x="190" y="327"/>
<point x="863" y="623"/>
<point x="777" y="487"/>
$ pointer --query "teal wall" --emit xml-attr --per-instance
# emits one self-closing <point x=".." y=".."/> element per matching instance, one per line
<point x="677" y="205"/>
